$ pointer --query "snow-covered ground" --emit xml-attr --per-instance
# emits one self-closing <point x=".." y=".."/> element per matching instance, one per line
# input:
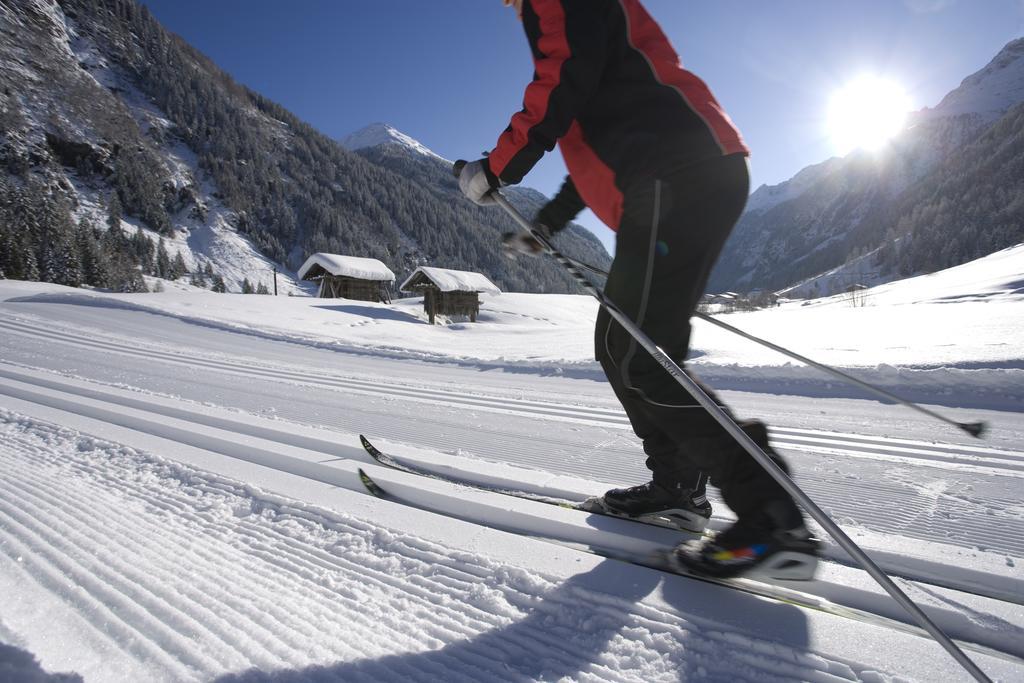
<point x="180" y="502"/>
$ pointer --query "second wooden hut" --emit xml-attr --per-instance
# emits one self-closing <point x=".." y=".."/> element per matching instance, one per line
<point x="449" y="292"/>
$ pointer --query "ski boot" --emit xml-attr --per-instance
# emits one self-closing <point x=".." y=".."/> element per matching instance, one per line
<point x="655" y="504"/>
<point x="759" y="548"/>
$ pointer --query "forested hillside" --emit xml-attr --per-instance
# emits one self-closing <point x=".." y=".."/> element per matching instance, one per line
<point x="966" y="210"/>
<point x="105" y="112"/>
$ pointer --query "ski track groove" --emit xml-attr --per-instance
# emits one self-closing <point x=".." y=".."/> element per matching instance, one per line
<point x="212" y="620"/>
<point x="906" y="516"/>
<point x="884" y="521"/>
<point x="138" y="624"/>
<point x="889" y="522"/>
<point x="170" y="579"/>
<point x="936" y="446"/>
<point x="183" y="509"/>
<point x="374" y="386"/>
<point x="840" y="445"/>
<point x="276" y="647"/>
<point x="427" y="598"/>
<point x="786" y="437"/>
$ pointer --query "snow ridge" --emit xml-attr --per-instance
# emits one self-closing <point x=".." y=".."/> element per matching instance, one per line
<point x="384" y="134"/>
<point x="993" y="90"/>
<point x="767" y="196"/>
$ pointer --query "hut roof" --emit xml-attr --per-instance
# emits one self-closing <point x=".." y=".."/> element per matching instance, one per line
<point x="348" y="266"/>
<point x="450" y="280"/>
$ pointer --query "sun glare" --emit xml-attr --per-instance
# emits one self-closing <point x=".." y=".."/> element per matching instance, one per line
<point x="866" y="113"/>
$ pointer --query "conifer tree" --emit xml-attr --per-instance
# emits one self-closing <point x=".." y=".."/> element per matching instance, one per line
<point x="94" y="261"/>
<point x="163" y="262"/>
<point x="57" y="251"/>
<point x="129" y="279"/>
<point x="114" y="212"/>
<point x="144" y="252"/>
<point x="178" y="267"/>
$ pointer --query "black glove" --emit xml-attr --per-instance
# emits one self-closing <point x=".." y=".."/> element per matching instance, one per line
<point x="516" y="243"/>
<point x="565" y="205"/>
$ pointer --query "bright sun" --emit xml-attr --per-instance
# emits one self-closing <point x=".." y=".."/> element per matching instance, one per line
<point x="866" y="113"/>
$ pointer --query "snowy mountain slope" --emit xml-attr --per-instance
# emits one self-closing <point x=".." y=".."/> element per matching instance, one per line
<point x="861" y="271"/>
<point x="98" y="100"/>
<point x="834" y="212"/>
<point x="767" y="196"/>
<point x="71" y="95"/>
<point x="205" y="230"/>
<point x="382" y="134"/>
<point x="384" y="145"/>
<point x="988" y="93"/>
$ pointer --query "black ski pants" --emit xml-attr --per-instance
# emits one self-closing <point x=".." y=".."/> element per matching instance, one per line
<point x="672" y="230"/>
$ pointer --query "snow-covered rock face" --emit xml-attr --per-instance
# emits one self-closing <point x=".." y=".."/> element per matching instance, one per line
<point x="990" y="92"/>
<point x="67" y="88"/>
<point x="382" y="134"/>
<point x="767" y="196"/>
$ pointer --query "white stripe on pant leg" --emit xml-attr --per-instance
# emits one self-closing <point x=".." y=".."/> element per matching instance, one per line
<point x="644" y="300"/>
<point x="642" y="313"/>
<point x="701" y="499"/>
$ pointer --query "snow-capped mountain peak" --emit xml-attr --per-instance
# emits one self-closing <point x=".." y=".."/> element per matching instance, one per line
<point x="382" y="134"/>
<point x="993" y="90"/>
<point x="767" y="196"/>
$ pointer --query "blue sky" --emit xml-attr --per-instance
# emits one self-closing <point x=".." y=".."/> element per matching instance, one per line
<point x="450" y="73"/>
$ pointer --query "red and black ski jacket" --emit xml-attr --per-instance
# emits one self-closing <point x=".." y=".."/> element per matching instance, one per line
<point x="609" y="88"/>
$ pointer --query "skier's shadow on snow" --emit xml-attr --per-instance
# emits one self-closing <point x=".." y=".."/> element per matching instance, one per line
<point x="559" y="640"/>
<point x="21" y="665"/>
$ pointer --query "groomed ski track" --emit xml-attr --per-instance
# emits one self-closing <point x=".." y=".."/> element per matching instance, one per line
<point x="285" y="496"/>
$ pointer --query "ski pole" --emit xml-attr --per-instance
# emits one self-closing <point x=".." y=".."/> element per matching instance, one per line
<point x="748" y="444"/>
<point x="975" y="429"/>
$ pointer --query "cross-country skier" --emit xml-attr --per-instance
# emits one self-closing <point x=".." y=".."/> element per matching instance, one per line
<point x="652" y="153"/>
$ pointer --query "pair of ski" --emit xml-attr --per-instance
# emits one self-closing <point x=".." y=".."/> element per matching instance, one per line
<point x="773" y="589"/>
<point x="590" y="505"/>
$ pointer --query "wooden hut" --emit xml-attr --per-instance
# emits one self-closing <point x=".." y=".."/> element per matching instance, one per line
<point x="724" y="302"/>
<point x="449" y="292"/>
<point x="348" y="277"/>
